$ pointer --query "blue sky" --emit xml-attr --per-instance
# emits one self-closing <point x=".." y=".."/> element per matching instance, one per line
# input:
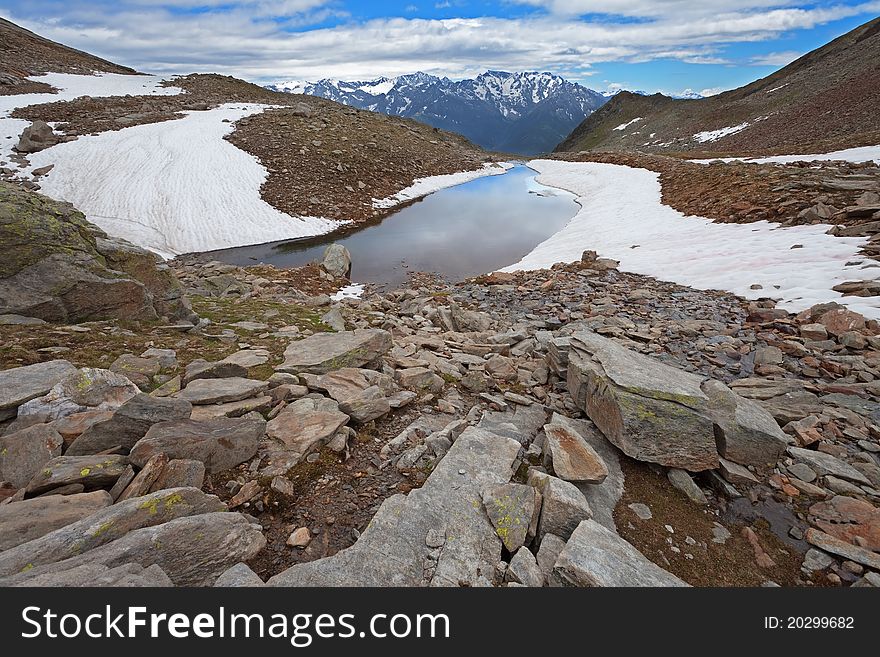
<point x="650" y="45"/>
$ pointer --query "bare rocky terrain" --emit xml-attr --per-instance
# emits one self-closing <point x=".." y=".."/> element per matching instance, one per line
<point x="822" y="102"/>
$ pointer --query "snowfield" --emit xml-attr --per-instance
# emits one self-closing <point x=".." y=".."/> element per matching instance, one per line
<point x="860" y="154"/>
<point x="71" y="87"/>
<point x="624" y="126"/>
<point x="424" y="186"/>
<point x="622" y="217"/>
<point x="715" y="135"/>
<point x="173" y="187"/>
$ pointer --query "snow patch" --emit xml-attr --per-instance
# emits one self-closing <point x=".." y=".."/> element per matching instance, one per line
<point x="715" y="135"/>
<point x="624" y="126"/>
<point x="859" y="154"/>
<point x="353" y="291"/>
<point x="424" y="186"/>
<point x="775" y="89"/>
<point x="173" y="187"/>
<point x="622" y="217"/>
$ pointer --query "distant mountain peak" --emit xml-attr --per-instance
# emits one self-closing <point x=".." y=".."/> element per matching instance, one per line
<point x="523" y="112"/>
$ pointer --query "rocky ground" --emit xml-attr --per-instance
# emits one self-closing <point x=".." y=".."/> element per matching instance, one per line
<point x="448" y="425"/>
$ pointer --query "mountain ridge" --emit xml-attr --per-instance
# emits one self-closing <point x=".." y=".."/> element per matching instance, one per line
<point x="525" y="112"/>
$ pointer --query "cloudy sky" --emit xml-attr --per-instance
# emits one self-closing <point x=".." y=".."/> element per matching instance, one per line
<point x="650" y="45"/>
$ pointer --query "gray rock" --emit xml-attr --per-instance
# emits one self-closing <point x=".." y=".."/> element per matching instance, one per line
<point x="82" y="390"/>
<point x="469" y="320"/>
<point x="202" y="369"/>
<point x="129" y="423"/>
<point x="641" y="510"/>
<point x="192" y="550"/>
<point x="563" y="506"/>
<point x="392" y="551"/>
<point x="551" y="547"/>
<point x="337" y="261"/>
<point x="573" y="458"/>
<point x="21" y="384"/>
<point x="326" y="352"/>
<point x="513" y="510"/>
<point x="523" y="569"/>
<point x="815" y="560"/>
<point x="180" y="473"/>
<point x="239" y="576"/>
<point x="826" y="464"/>
<point x="26" y="520"/>
<point x="221" y="391"/>
<point x="107" y="525"/>
<point x="843" y="549"/>
<point x="658" y="413"/>
<point x="366" y="405"/>
<point x="299" y="428"/>
<point x="595" y="556"/>
<point x="128" y="575"/>
<point x="25" y="452"/>
<point x="682" y="481"/>
<point x="96" y="471"/>
<point x="36" y="137"/>
<point x="220" y="444"/>
<point x="247" y="358"/>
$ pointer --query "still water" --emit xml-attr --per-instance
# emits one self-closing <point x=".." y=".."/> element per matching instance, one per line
<point x="459" y="232"/>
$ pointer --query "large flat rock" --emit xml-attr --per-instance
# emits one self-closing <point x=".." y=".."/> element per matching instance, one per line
<point x="220" y="444"/>
<point x="221" y="391"/>
<point x="129" y="575"/>
<point x="107" y="525"/>
<point x="438" y="535"/>
<point x="24" y="452"/>
<point x="326" y="352"/>
<point x="303" y="425"/>
<point x="657" y="413"/>
<point x="96" y="471"/>
<point x="21" y="384"/>
<point x="596" y="556"/>
<point x="26" y="520"/>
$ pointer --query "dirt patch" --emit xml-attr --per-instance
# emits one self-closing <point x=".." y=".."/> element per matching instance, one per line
<point x="709" y="564"/>
<point x="26" y="87"/>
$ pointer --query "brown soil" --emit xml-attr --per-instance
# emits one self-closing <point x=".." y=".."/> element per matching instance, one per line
<point x="333" y="497"/>
<point x="713" y="564"/>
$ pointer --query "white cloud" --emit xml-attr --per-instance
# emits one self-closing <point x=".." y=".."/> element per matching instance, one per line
<point x="776" y="58"/>
<point x="266" y="40"/>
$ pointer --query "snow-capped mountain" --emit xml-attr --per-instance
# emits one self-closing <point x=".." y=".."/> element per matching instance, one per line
<point x="516" y="112"/>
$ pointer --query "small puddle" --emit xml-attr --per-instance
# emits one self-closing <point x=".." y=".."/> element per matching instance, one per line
<point x="459" y="232"/>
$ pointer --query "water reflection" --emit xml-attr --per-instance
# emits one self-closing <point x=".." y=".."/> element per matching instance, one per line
<point x="458" y="232"/>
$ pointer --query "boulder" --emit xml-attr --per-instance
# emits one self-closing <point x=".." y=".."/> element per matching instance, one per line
<point x="657" y="413"/>
<point x="59" y="267"/>
<point x="523" y="569"/>
<point x="96" y="471"/>
<point x="826" y="464"/>
<point x="596" y="556"/>
<point x="21" y="384"/>
<point x="220" y="444"/>
<point x="325" y="352"/>
<point x="38" y="136"/>
<point x="239" y="576"/>
<point x="26" y="520"/>
<point x="366" y="406"/>
<point x="107" y="525"/>
<point x="193" y="550"/>
<point x="337" y="261"/>
<point x="129" y="423"/>
<point x="299" y="428"/>
<point x="563" y="506"/>
<point x="434" y="536"/>
<point x="202" y="369"/>
<point x="513" y="510"/>
<point x="419" y="378"/>
<point x="469" y="320"/>
<point x="128" y="575"/>
<point x="220" y="391"/>
<point x="25" y="452"/>
<point x="82" y="390"/>
<point x="180" y="473"/>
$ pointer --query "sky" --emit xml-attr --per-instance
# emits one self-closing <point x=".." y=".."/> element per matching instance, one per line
<point x="648" y="45"/>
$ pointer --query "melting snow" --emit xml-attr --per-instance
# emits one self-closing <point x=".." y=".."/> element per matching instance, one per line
<point x="70" y="87"/>
<point x="173" y="187"/>
<point x="424" y="186"/>
<point x="860" y="154"/>
<point x="353" y="291"/>
<point x="714" y="135"/>
<point x="624" y="126"/>
<point x="621" y="209"/>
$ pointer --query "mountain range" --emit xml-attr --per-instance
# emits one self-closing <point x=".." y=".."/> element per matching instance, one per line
<point x="524" y="113"/>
